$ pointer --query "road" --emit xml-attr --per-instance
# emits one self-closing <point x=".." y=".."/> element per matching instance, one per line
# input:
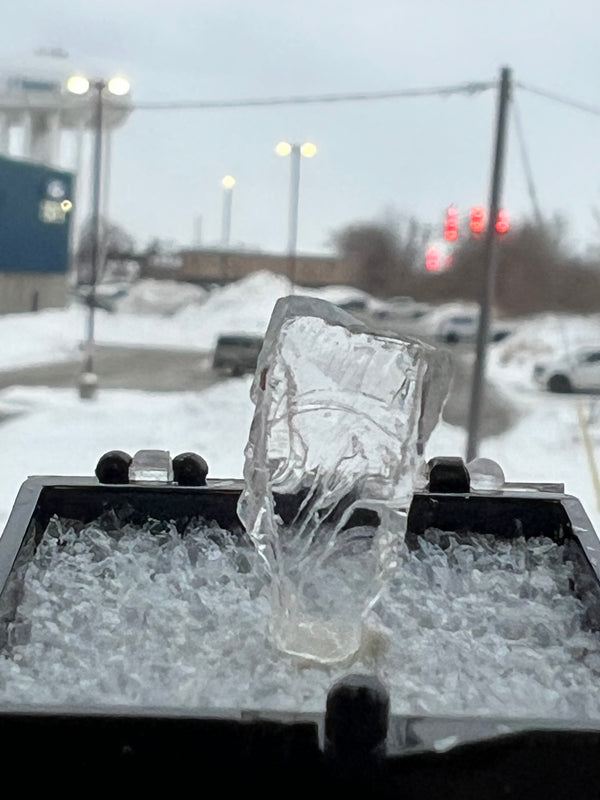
<point x="498" y="414"/>
<point x="124" y="368"/>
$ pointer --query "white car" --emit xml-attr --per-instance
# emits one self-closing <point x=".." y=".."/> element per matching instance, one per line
<point x="463" y="328"/>
<point x="575" y="371"/>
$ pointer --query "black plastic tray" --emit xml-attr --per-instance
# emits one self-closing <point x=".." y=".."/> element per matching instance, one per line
<point x="359" y="744"/>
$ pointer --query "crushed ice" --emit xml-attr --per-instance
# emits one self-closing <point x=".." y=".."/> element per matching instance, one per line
<point x="176" y="615"/>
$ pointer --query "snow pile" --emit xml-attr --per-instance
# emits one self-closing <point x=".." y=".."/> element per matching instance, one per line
<point x="241" y="307"/>
<point x="40" y="338"/>
<point x="339" y="294"/>
<point x="160" y="297"/>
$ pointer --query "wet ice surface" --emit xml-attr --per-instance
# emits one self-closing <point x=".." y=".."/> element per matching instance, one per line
<point x="118" y="615"/>
<point x="341" y="418"/>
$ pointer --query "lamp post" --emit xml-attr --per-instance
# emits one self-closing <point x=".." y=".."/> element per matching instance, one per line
<point x="228" y="183"/>
<point x="80" y="85"/>
<point x="296" y="152"/>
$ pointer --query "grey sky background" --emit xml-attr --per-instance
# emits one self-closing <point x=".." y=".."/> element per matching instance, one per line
<point x="403" y="156"/>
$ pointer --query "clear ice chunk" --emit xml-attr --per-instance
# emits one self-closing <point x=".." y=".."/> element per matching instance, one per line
<point x="151" y="466"/>
<point x="485" y="475"/>
<point x="342" y="415"/>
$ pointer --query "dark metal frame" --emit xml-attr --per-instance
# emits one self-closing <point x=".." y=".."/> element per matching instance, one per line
<point x="489" y="757"/>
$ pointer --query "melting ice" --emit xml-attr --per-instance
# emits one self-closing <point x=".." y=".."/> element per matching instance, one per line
<point x="341" y="418"/>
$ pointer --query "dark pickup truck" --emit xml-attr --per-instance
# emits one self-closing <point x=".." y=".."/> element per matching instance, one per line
<point x="237" y="353"/>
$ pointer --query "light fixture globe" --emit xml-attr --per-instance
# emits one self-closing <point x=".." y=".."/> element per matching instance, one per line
<point x="119" y="86"/>
<point x="283" y="149"/>
<point x="78" y="84"/>
<point x="308" y="149"/>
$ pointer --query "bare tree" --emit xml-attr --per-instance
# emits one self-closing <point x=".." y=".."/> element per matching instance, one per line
<point x="115" y="243"/>
<point x="385" y="254"/>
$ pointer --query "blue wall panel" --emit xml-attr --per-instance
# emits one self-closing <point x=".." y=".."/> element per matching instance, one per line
<point x="35" y="219"/>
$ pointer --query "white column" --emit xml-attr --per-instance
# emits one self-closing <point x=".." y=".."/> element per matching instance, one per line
<point x="4" y="135"/>
<point x="45" y="137"/>
<point x="53" y="134"/>
<point x="27" y="126"/>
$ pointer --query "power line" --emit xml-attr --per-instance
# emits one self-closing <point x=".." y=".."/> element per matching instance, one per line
<point x="471" y="88"/>
<point x="558" y="98"/>
<point x="526" y="163"/>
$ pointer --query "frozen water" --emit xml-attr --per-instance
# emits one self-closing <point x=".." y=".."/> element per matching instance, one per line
<point x="151" y="466"/>
<point x="175" y="614"/>
<point x="341" y="419"/>
<point x="485" y="474"/>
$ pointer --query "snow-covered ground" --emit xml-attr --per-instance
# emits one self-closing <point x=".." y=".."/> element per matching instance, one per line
<point x="192" y="323"/>
<point x="52" y="432"/>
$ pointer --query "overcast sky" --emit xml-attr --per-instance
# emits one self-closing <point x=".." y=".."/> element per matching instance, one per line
<point x="403" y="156"/>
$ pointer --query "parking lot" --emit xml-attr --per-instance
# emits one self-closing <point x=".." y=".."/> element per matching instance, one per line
<point x="145" y="368"/>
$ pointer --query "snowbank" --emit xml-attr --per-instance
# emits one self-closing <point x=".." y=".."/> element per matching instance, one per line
<point x="160" y="297"/>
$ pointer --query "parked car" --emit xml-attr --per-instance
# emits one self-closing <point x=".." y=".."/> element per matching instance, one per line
<point x="237" y="353"/>
<point x="575" y="371"/>
<point x="463" y="328"/>
<point x="409" y="310"/>
<point x="353" y="304"/>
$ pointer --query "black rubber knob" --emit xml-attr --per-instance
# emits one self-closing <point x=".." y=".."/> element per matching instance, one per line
<point x="113" y="467"/>
<point x="190" y="469"/>
<point x="448" y="475"/>
<point x="356" y="720"/>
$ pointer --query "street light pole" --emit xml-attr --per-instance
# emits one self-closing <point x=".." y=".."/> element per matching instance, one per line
<point x="295" y="151"/>
<point x="295" y="156"/>
<point x="99" y="87"/>
<point x="228" y="183"/>
<point x="80" y="85"/>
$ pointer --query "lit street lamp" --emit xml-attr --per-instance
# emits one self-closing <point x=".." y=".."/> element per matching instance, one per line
<point x="119" y="87"/>
<point x="228" y="183"/>
<point x="296" y="151"/>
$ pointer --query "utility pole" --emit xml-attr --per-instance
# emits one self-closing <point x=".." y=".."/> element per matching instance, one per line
<point x="490" y="261"/>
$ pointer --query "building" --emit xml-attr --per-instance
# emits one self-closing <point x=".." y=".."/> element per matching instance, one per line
<point x="41" y="121"/>
<point x="35" y="235"/>
<point x="220" y="267"/>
